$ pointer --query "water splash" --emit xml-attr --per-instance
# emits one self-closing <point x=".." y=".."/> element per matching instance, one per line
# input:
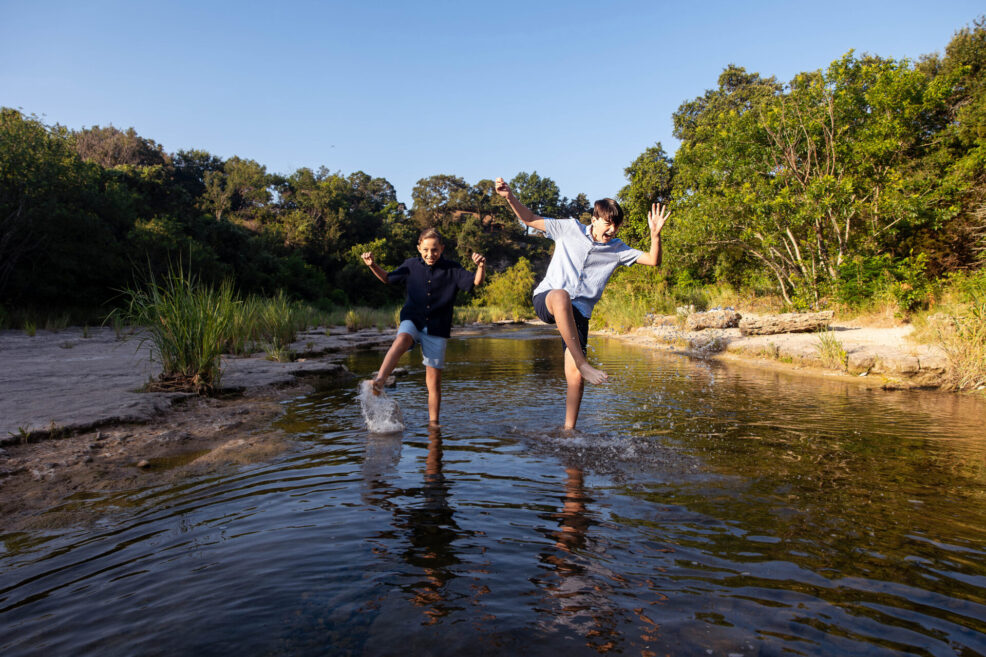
<point x="380" y="412"/>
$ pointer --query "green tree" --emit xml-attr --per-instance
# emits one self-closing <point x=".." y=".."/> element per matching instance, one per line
<point x="650" y="179"/>
<point x="538" y="193"/>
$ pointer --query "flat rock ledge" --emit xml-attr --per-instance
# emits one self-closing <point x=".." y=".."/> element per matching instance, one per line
<point x="56" y="383"/>
<point x="883" y="353"/>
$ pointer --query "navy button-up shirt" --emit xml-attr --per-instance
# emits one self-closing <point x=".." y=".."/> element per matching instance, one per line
<point x="431" y="292"/>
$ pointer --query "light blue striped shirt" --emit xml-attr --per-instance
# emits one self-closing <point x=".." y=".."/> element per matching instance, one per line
<point x="580" y="265"/>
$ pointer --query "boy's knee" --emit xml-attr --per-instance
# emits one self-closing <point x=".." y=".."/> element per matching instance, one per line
<point x="556" y="297"/>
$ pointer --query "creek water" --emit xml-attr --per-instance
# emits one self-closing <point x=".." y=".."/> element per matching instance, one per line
<point x="700" y="509"/>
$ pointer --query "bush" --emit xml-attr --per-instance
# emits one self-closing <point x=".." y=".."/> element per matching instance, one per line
<point x="865" y="279"/>
<point x="510" y="290"/>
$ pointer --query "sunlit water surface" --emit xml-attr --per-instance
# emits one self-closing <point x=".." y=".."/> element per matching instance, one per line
<point x="699" y="510"/>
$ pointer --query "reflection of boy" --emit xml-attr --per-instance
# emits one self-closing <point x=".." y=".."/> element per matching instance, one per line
<point x="584" y="259"/>
<point x="426" y="318"/>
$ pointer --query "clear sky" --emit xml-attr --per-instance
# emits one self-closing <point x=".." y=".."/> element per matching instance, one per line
<point x="402" y="90"/>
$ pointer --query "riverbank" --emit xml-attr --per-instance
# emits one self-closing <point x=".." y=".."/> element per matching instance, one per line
<point x="73" y="421"/>
<point x="72" y="418"/>
<point x="883" y="357"/>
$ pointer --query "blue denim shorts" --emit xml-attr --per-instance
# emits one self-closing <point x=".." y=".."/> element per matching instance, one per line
<point x="432" y="347"/>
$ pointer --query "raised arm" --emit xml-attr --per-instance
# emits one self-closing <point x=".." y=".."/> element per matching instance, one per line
<point x="523" y="213"/>
<point x="480" y="269"/>
<point x="656" y="219"/>
<point x="374" y="267"/>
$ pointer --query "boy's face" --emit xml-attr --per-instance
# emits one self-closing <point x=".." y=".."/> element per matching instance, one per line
<point x="603" y="230"/>
<point x="430" y="250"/>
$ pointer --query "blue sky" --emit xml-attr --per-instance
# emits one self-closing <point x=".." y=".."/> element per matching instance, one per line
<point x="401" y="90"/>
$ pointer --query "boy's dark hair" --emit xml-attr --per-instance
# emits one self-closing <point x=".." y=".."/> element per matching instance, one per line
<point x="430" y="233"/>
<point x="608" y="210"/>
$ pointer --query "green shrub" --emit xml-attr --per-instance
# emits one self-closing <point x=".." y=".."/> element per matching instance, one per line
<point x="510" y="290"/>
<point x="863" y="280"/>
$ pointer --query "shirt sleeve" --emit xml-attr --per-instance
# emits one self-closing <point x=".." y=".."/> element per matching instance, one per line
<point x="400" y="274"/>
<point x="628" y="255"/>
<point x="463" y="278"/>
<point x="554" y="228"/>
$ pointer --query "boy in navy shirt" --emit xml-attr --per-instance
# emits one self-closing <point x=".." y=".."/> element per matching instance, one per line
<point x="584" y="259"/>
<point x="426" y="318"/>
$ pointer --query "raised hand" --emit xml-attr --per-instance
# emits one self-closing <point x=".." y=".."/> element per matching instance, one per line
<point x="656" y="218"/>
<point x="478" y="259"/>
<point x="367" y="258"/>
<point x="502" y="188"/>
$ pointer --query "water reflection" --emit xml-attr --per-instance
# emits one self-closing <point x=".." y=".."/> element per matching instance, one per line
<point x="701" y="509"/>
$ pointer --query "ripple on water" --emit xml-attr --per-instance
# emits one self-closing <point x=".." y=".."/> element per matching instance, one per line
<point x="697" y="510"/>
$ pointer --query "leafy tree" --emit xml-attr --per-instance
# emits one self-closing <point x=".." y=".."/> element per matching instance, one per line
<point x="437" y="199"/>
<point x="800" y="178"/>
<point x="110" y="147"/>
<point x="540" y="194"/>
<point x="650" y="178"/>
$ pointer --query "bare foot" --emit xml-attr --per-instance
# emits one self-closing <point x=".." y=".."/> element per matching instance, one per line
<point x="592" y="375"/>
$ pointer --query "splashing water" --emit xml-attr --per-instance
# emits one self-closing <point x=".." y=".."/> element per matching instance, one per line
<point x="381" y="413"/>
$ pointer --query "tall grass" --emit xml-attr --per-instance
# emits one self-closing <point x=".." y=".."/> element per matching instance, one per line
<point x="488" y="314"/>
<point x="188" y="325"/>
<point x="831" y="350"/>
<point x="962" y="336"/>
<point x="956" y="323"/>
<point x="361" y="317"/>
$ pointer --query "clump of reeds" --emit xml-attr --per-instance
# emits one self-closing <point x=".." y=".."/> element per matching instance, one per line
<point x="188" y="325"/>
<point x="831" y="350"/>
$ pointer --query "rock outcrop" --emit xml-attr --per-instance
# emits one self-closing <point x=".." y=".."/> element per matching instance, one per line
<point x="785" y="323"/>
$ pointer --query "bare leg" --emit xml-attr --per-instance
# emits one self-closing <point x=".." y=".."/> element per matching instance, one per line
<point x="401" y="344"/>
<point x="573" y="397"/>
<point x="560" y="305"/>
<point x="433" y="378"/>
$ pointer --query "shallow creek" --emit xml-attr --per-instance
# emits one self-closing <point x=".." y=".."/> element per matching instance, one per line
<point x="700" y="509"/>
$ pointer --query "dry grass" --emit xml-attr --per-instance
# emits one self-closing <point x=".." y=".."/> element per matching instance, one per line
<point x="831" y="351"/>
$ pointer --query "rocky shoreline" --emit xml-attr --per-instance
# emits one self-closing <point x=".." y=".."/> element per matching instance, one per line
<point x="72" y="418"/>
<point x="878" y="357"/>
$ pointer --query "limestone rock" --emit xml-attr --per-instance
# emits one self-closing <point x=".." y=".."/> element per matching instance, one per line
<point x="716" y="319"/>
<point x="661" y="320"/>
<point x="785" y="323"/>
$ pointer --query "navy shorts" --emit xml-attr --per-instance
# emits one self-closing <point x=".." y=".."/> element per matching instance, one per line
<point x="581" y="321"/>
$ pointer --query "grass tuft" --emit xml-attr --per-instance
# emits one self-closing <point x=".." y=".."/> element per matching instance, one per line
<point x="831" y="351"/>
<point x="188" y="325"/>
